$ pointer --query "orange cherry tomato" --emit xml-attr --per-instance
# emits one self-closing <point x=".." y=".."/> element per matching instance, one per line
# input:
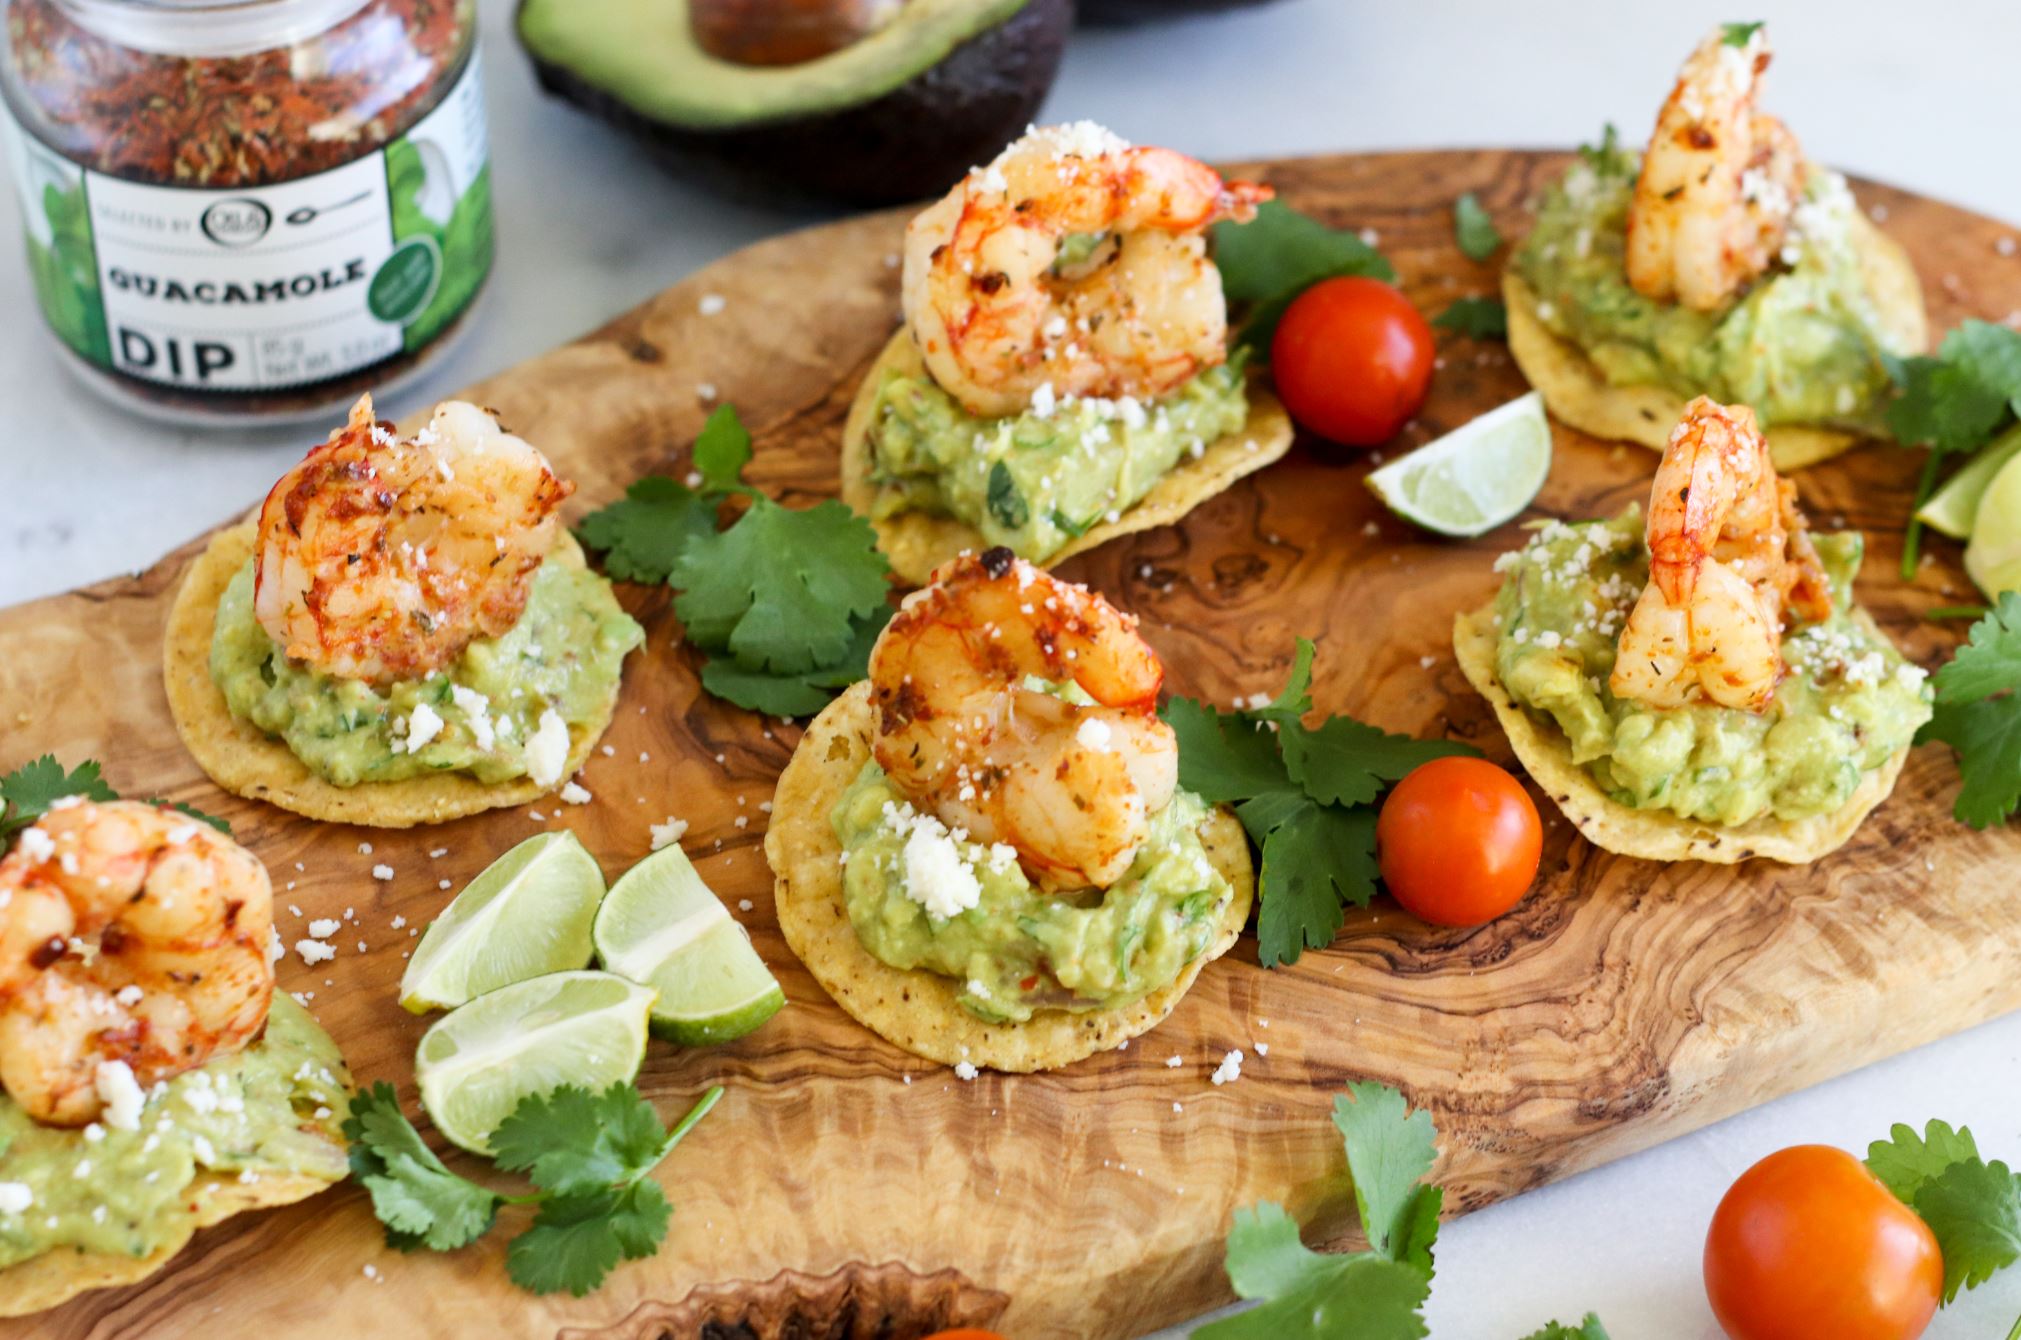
<point x="1352" y="360"/>
<point x="1808" y="1243"/>
<point x="1458" y="840"/>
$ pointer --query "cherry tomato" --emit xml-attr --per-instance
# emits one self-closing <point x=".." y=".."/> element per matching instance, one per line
<point x="1458" y="841"/>
<point x="1352" y="359"/>
<point x="1807" y="1242"/>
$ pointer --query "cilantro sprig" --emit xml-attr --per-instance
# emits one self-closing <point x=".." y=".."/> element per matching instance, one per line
<point x="1307" y="797"/>
<point x="1953" y="403"/>
<point x="1476" y="318"/>
<point x="1979" y="715"/>
<point x="1972" y="1206"/>
<point x="1377" y="1294"/>
<point x="1738" y="34"/>
<point x="785" y="604"/>
<point x="589" y="1155"/>
<point x="1474" y="229"/>
<point x="27" y="793"/>
<point x="1279" y="254"/>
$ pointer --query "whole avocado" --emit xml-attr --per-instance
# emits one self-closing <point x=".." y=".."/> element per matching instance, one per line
<point x="896" y="115"/>
<point x="1119" y="13"/>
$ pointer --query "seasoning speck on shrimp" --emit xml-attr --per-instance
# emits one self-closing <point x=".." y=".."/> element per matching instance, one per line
<point x="130" y="935"/>
<point x="382" y="558"/>
<point x="1069" y="785"/>
<point x="1073" y="265"/>
<point x="1720" y="181"/>
<point x="1729" y="556"/>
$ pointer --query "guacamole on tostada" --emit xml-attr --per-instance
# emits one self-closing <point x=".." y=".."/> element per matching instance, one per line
<point x="1036" y="481"/>
<point x="920" y="897"/>
<point x="272" y="1110"/>
<point x="1807" y="343"/>
<point x="503" y="708"/>
<point x="1848" y="704"/>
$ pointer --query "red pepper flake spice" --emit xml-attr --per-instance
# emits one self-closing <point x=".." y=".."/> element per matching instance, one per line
<point x="234" y="121"/>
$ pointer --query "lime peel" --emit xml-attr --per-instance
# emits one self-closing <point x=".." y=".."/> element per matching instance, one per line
<point x="1481" y="474"/>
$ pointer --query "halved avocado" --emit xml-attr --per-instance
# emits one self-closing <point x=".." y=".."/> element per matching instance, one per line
<point x="916" y="92"/>
<point x="1117" y="13"/>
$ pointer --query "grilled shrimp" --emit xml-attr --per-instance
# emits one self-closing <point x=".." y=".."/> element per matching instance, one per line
<point x="1073" y="262"/>
<point x="1729" y="557"/>
<point x="1720" y="181"/>
<point x="133" y="947"/>
<point x="1070" y="786"/>
<point x="381" y="559"/>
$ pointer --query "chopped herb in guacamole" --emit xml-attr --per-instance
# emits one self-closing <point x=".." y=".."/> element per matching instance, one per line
<point x="495" y="713"/>
<point x="1848" y="703"/>
<point x="920" y="898"/>
<point x="1806" y="344"/>
<point x="1039" y="480"/>
<point x="272" y="1110"/>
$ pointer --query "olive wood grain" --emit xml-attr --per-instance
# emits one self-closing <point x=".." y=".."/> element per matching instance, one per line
<point x="1623" y="1004"/>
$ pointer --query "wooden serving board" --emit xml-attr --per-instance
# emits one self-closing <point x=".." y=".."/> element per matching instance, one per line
<point x="1622" y="1004"/>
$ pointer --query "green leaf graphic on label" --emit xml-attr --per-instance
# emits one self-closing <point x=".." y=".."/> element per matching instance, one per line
<point x="402" y="287"/>
<point x="65" y="273"/>
<point x="424" y="203"/>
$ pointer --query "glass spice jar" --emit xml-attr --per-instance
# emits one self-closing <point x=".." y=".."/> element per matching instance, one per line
<point x="245" y="208"/>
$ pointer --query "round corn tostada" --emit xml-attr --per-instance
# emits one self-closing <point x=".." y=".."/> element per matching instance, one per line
<point x="245" y="760"/>
<point x="918" y="1010"/>
<point x="1655" y="835"/>
<point x="1579" y="394"/>
<point x="917" y="542"/>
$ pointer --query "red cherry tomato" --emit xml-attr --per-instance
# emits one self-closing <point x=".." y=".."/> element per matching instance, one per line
<point x="1458" y="841"/>
<point x="1352" y="359"/>
<point x="1807" y="1242"/>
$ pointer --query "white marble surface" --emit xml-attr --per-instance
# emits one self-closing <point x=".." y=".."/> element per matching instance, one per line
<point x="1923" y="96"/>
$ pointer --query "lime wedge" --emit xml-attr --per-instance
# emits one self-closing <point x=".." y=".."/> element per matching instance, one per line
<point x="1993" y="558"/>
<point x="660" y="925"/>
<point x="1475" y="477"/>
<point x="480" y="1059"/>
<point x="1952" y="508"/>
<point x="528" y="914"/>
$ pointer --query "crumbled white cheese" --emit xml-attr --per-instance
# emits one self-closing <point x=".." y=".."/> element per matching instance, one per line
<point x="1093" y="733"/>
<point x="382" y="872"/>
<point x="314" y="951"/>
<point x="547" y="750"/>
<point x="16" y="1197"/>
<point x="1174" y="1061"/>
<point x="35" y="845"/>
<point x="965" y="1070"/>
<point x="121" y="1094"/>
<point x="476" y="709"/>
<point x="711" y="304"/>
<point x="424" y="723"/>
<point x="322" y="928"/>
<point x="668" y="833"/>
<point x="1229" y="1070"/>
<point x="935" y="875"/>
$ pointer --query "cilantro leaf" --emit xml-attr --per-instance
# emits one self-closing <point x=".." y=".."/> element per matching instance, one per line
<point x="1390" y="1149"/>
<point x="1987" y="738"/>
<point x="781" y="589"/>
<point x="1223" y="756"/>
<point x="1588" y="1329"/>
<point x="642" y="534"/>
<point x="1974" y="1208"/>
<point x="27" y="792"/>
<point x="1278" y="255"/>
<point x="573" y="1139"/>
<point x="419" y="1200"/>
<point x="1907" y="1162"/>
<point x="571" y="1245"/>
<point x="1738" y="34"/>
<point x="1990" y="661"/>
<point x="1475" y="318"/>
<point x="1311" y="1295"/>
<point x="1294" y="700"/>
<point x="721" y="451"/>
<point x="1473" y="229"/>
<point x="1316" y="860"/>
<point x="184" y="807"/>
<point x="1608" y="158"/>
<point x="1345" y="762"/>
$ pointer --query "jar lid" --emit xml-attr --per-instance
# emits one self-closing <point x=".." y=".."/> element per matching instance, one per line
<point x="213" y="29"/>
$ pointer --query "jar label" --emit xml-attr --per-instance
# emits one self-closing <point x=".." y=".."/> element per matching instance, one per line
<point x="269" y="286"/>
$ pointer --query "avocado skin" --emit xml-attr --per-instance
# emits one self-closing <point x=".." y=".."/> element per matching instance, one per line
<point x="1122" y="13"/>
<point x="907" y="145"/>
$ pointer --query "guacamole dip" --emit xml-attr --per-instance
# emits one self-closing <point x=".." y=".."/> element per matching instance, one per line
<point x="502" y="710"/>
<point x="1038" y="481"/>
<point x="1847" y="705"/>
<point x="1019" y="948"/>
<point x="273" y="1109"/>
<point x="1805" y="344"/>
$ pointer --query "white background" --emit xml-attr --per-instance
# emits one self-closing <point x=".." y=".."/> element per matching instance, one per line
<point x="1923" y="95"/>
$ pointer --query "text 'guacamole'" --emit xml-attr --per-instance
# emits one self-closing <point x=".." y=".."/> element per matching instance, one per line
<point x="1848" y="703"/>
<point x="1018" y="948"/>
